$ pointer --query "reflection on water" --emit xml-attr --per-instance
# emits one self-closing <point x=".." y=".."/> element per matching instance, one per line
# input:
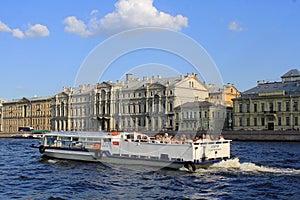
<point x="259" y="171"/>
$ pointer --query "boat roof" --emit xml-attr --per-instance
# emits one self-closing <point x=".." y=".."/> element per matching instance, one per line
<point x="78" y="134"/>
<point x="89" y="134"/>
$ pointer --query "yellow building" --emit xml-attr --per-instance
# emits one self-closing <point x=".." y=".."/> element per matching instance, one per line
<point x="224" y="95"/>
<point x="270" y="105"/>
<point x="26" y="112"/>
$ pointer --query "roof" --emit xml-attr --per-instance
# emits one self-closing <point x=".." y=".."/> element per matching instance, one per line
<point x="287" y="88"/>
<point x="195" y="104"/>
<point x="137" y="83"/>
<point x="291" y="73"/>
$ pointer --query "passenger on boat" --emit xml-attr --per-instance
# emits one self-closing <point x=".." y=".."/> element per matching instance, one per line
<point x="157" y="139"/>
<point x="166" y="139"/>
<point x="174" y="140"/>
<point x="221" y="138"/>
<point x="129" y="138"/>
<point x="203" y="137"/>
<point x="196" y="139"/>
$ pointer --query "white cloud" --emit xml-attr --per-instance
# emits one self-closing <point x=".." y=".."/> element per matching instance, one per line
<point x="34" y="31"/>
<point x="73" y="25"/>
<point x="128" y="14"/>
<point x="234" y="26"/>
<point x="37" y="30"/>
<point x="4" y="27"/>
<point x="18" y="33"/>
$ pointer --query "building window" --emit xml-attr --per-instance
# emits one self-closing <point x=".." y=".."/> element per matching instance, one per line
<point x="248" y="108"/>
<point x="262" y="107"/>
<point x="200" y="114"/>
<point x="287" y="121"/>
<point x="248" y="121"/>
<point x="241" y="121"/>
<point x="296" y="106"/>
<point x="279" y="121"/>
<point x="255" y="107"/>
<point x="279" y="106"/>
<point x="262" y="121"/>
<point x="296" y="121"/>
<point x="287" y="106"/>
<point x="241" y="108"/>
<point x="255" y="121"/>
<point x="271" y="107"/>
<point x="205" y="114"/>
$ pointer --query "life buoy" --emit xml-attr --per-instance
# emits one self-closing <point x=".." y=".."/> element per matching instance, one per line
<point x="42" y="149"/>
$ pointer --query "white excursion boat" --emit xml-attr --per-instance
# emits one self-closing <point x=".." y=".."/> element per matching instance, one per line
<point x="133" y="148"/>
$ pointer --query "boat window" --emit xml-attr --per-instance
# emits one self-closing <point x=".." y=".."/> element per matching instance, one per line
<point x="66" y="141"/>
<point x="50" y="140"/>
<point x="106" y="140"/>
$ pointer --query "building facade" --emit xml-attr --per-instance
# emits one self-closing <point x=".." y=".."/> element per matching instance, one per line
<point x="132" y="105"/>
<point x="224" y="95"/>
<point x="27" y="112"/>
<point x="270" y="105"/>
<point x="72" y="110"/>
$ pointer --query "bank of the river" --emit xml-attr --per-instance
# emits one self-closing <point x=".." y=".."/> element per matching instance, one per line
<point x="287" y="136"/>
<point x="6" y="135"/>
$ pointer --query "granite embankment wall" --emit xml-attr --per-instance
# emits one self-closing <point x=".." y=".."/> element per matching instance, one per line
<point x="6" y="135"/>
<point x="287" y="136"/>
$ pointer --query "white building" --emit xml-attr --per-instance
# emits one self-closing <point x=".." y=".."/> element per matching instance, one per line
<point x="134" y="104"/>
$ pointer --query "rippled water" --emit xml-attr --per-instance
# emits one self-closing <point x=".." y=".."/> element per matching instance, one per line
<point x="261" y="170"/>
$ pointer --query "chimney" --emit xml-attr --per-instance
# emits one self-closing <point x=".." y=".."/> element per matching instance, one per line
<point x="82" y="87"/>
<point x="181" y="77"/>
<point x="153" y="77"/>
<point x="129" y="77"/>
<point x="188" y="75"/>
<point x="196" y="76"/>
<point x="145" y="78"/>
<point x="158" y="77"/>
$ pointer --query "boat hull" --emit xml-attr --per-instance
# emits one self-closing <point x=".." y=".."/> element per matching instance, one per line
<point x="107" y="159"/>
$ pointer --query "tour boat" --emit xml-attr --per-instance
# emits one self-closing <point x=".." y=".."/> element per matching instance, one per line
<point x="133" y="148"/>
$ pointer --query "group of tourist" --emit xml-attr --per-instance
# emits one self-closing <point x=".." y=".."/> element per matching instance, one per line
<point x="166" y="139"/>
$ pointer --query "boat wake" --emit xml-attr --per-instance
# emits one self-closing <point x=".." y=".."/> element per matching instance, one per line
<point x="248" y="167"/>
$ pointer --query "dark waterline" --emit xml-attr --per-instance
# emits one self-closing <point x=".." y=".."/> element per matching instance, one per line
<point x="261" y="170"/>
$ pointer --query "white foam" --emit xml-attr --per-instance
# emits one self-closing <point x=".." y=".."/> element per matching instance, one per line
<point x="52" y="161"/>
<point x="234" y="164"/>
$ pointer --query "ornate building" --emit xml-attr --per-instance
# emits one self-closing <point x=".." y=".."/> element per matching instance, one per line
<point x="147" y="104"/>
<point x="27" y="112"/>
<point x="72" y="110"/>
<point x="134" y="104"/>
<point x="270" y="105"/>
<point x="224" y="95"/>
<point x="197" y="116"/>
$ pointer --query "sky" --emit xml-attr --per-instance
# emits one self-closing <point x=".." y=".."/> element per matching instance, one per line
<point x="43" y="44"/>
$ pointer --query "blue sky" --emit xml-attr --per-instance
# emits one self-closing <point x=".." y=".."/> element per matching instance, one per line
<point x="44" y="43"/>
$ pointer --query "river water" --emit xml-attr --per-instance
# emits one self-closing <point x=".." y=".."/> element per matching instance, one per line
<point x="260" y="170"/>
